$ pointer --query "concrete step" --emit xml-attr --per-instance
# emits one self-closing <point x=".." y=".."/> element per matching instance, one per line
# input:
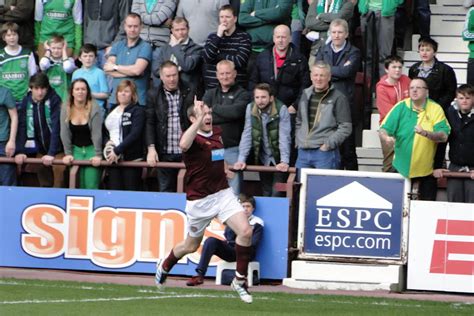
<point x="437" y="9"/>
<point x="370" y="139"/>
<point x="447" y="44"/>
<point x="374" y="121"/>
<point x="450" y="2"/>
<point x="414" y="56"/>
<point x="370" y="168"/>
<point x="375" y="153"/>
<point x="439" y="26"/>
<point x="370" y="161"/>
<point x="461" y="74"/>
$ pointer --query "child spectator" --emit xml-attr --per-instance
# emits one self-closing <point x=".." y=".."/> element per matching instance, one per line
<point x="38" y="130"/>
<point x="22" y="13"/>
<point x="81" y="132"/>
<point x="468" y="35"/>
<point x="94" y="76"/>
<point x="57" y="65"/>
<point x="17" y="64"/>
<point x="461" y="146"/>
<point x="8" y="129"/>
<point x="225" y="249"/>
<point x="58" y="17"/>
<point x="441" y="81"/>
<point x="391" y="89"/>
<point x="124" y="127"/>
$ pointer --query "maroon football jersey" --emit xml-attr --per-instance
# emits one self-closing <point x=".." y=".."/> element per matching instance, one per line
<point x="204" y="162"/>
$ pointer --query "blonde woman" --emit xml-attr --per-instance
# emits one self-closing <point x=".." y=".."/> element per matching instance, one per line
<point x="81" y="132"/>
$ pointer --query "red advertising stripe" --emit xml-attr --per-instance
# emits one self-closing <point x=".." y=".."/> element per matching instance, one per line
<point x="440" y="262"/>
<point x="455" y="227"/>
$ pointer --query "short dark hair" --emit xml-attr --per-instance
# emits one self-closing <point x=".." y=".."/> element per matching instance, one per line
<point x="39" y="80"/>
<point x="392" y="59"/>
<point x="133" y="15"/>
<point x="9" y="26"/>
<point x="264" y="87"/>
<point x="88" y="48"/>
<point x="247" y="198"/>
<point x="422" y="79"/>
<point x="167" y="64"/>
<point x="428" y="41"/>
<point x="465" y="89"/>
<point x="56" y="38"/>
<point x="227" y="7"/>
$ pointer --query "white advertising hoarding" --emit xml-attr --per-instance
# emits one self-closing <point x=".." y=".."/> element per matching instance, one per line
<point x="441" y="247"/>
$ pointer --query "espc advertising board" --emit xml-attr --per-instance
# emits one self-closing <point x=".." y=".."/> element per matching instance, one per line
<point x="352" y="214"/>
<point x="118" y="231"/>
<point x="441" y="247"/>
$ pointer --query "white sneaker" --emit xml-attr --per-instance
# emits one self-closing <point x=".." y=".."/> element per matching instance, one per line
<point x="241" y="288"/>
<point x="160" y="275"/>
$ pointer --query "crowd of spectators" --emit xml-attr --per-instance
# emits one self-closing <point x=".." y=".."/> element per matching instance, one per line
<point x="113" y="80"/>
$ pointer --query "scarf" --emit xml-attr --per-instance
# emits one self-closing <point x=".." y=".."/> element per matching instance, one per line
<point x="333" y="8"/>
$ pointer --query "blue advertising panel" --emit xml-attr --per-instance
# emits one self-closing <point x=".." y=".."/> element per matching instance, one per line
<point x="353" y="216"/>
<point x="117" y="231"/>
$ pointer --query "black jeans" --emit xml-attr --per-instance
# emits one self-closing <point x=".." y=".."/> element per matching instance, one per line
<point x="167" y="178"/>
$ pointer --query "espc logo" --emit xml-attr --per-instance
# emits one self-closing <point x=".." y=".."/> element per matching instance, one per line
<point x="109" y="237"/>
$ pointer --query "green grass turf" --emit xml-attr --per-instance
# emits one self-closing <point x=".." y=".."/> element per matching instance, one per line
<point x="34" y="297"/>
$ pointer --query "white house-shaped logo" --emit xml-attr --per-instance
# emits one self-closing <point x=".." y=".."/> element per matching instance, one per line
<point x="354" y="195"/>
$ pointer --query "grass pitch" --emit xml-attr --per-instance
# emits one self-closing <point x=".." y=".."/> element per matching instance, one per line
<point x="27" y="297"/>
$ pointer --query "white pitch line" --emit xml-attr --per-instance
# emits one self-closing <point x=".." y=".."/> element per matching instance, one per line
<point x="109" y="299"/>
<point x="55" y="286"/>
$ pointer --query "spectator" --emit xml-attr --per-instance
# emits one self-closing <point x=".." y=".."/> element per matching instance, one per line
<point x="320" y="15"/>
<point x="58" y="17"/>
<point x="323" y="121"/>
<point x="228" y="43"/>
<point x="283" y="67"/>
<point x="94" y="76"/>
<point x="81" y="132"/>
<point x="124" y="127"/>
<point x="392" y="88"/>
<point x="377" y="22"/>
<point x="468" y="35"/>
<point x="38" y="130"/>
<point x="8" y="131"/>
<point x="441" y="81"/>
<point x="415" y="126"/>
<point x="157" y="16"/>
<point x="225" y="249"/>
<point x="259" y="18"/>
<point x="267" y="133"/>
<point x="203" y="17"/>
<point x="102" y="24"/>
<point x="166" y="119"/>
<point x="20" y="12"/>
<point x="298" y="15"/>
<point x="57" y="65"/>
<point x="17" y="63"/>
<point x="461" y="146"/>
<point x="129" y="58"/>
<point x="184" y="53"/>
<point x="344" y="60"/>
<point x="228" y="102"/>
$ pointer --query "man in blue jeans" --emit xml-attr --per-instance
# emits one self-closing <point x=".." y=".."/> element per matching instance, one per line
<point x="323" y="121"/>
<point x="8" y="129"/>
<point x="225" y="249"/>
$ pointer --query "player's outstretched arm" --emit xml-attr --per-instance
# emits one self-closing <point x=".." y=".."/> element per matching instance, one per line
<point x="196" y="119"/>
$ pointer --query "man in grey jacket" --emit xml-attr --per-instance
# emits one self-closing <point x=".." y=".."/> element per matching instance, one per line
<point x="102" y="23"/>
<point x="323" y="121"/>
<point x="267" y="132"/>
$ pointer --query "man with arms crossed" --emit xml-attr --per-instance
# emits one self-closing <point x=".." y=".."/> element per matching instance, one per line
<point x="207" y="196"/>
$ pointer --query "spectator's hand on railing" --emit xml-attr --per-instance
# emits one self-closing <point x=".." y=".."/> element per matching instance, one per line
<point x="68" y="159"/>
<point x="10" y="149"/>
<point x="96" y="161"/>
<point x="47" y="160"/>
<point x="152" y="157"/>
<point x="20" y="159"/>
<point x="438" y="173"/>
<point x="239" y="165"/>
<point x="472" y="175"/>
<point x="282" y="167"/>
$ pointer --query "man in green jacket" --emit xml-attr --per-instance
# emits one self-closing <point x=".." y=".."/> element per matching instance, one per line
<point x="468" y="35"/>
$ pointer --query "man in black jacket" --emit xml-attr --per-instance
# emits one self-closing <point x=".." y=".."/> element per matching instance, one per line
<point x="38" y="130"/>
<point x="228" y="102"/>
<point x="165" y="121"/>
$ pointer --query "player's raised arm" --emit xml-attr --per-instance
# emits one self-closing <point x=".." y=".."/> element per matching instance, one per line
<point x="196" y="115"/>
